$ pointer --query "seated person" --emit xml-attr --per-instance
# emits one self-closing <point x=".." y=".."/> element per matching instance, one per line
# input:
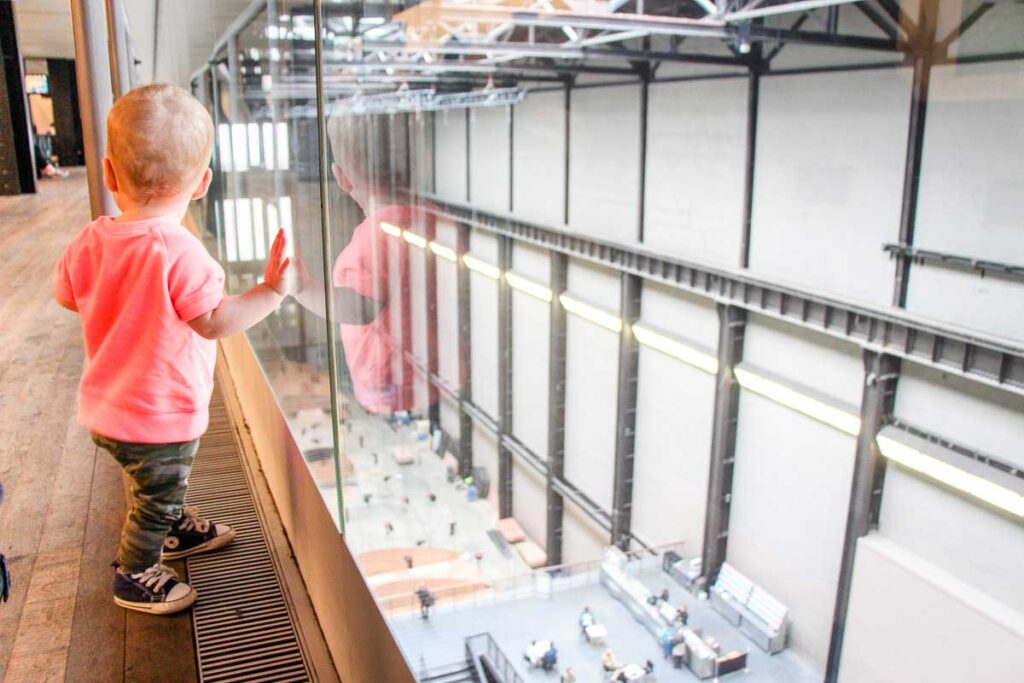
<point x="550" y="658"/>
<point x="608" y="662"/>
<point x="682" y="616"/>
<point x="648" y="667"/>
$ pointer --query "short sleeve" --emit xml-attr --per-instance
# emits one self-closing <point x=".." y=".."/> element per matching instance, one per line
<point x="196" y="281"/>
<point x="361" y="265"/>
<point x="62" y="289"/>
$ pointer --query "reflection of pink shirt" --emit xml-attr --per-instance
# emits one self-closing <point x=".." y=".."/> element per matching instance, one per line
<point x="148" y="376"/>
<point x="376" y="265"/>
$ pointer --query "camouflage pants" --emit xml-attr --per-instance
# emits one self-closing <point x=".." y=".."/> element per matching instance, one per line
<point x="159" y="481"/>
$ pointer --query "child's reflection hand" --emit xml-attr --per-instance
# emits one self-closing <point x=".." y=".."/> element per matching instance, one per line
<point x="279" y="274"/>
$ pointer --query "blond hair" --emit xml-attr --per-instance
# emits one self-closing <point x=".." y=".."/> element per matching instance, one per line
<point x="159" y="139"/>
<point x="372" y="150"/>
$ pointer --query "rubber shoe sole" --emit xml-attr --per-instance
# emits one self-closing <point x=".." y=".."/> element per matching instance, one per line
<point x="212" y="544"/>
<point x="159" y="608"/>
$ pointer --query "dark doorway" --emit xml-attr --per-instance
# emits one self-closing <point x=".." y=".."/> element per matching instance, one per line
<point x="67" y="143"/>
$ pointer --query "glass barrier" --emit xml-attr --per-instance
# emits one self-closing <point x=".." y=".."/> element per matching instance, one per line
<point x="587" y="273"/>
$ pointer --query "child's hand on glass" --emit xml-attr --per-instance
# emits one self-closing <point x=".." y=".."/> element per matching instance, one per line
<point x="279" y="274"/>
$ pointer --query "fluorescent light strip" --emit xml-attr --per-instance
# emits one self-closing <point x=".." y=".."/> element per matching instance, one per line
<point x="414" y="239"/>
<point x="447" y="253"/>
<point x="390" y="229"/>
<point x="811" y="407"/>
<point x="671" y="347"/>
<point x="591" y="313"/>
<point x="482" y="267"/>
<point x="961" y="480"/>
<point x="537" y="291"/>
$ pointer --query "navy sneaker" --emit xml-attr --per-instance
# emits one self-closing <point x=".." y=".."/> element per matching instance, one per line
<point x="192" y="534"/>
<point x="157" y="590"/>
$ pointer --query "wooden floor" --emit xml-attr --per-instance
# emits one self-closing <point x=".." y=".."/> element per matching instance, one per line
<point x="64" y="502"/>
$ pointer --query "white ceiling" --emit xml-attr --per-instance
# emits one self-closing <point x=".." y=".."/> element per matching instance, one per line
<point x="185" y="33"/>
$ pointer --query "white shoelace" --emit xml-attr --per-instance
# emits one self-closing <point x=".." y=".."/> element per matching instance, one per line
<point x="193" y="521"/>
<point x="156" y="577"/>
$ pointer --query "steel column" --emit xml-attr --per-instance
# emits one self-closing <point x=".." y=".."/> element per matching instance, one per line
<point x="92" y="71"/>
<point x="731" y="327"/>
<point x="880" y="376"/>
<point x="465" y="356"/>
<point x="556" y="408"/>
<point x="504" y="379"/>
<point x="625" y="412"/>
<point x="753" y="96"/>
<point x="923" y="44"/>
<point x="430" y="275"/>
<point x="117" y="46"/>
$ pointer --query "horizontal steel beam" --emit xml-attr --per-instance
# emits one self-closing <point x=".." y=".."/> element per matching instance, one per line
<point x="974" y="355"/>
<point x="956" y="261"/>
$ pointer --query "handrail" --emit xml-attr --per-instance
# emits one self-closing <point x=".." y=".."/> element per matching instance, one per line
<point x="496" y="657"/>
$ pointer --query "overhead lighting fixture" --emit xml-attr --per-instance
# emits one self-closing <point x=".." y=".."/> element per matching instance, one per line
<point x="447" y="253"/>
<point x="482" y="267"/>
<point x="836" y="418"/>
<point x="675" y="349"/>
<point x="404" y="100"/>
<point x="534" y="289"/>
<point x="390" y="229"/>
<point x="952" y="476"/>
<point x="591" y="313"/>
<point x="415" y="240"/>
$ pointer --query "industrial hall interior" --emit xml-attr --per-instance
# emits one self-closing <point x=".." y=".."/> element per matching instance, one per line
<point x="512" y="341"/>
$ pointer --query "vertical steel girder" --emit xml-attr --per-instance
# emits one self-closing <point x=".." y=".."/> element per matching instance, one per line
<point x="731" y="327"/>
<point x="880" y="376"/>
<point x="625" y="412"/>
<point x="753" y="95"/>
<point x="430" y="268"/>
<point x="465" y="356"/>
<point x="504" y="379"/>
<point x="556" y="408"/>
<point x="923" y="44"/>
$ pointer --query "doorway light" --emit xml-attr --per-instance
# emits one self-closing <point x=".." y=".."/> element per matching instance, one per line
<point x="447" y="253"/>
<point x="836" y="418"/>
<point x="482" y="267"/>
<point x="591" y="313"/>
<point x="675" y="349"/>
<point x="527" y="286"/>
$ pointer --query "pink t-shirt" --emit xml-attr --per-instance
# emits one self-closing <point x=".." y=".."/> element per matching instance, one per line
<point x="148" y="376"/>
<point x="383" y="379"/>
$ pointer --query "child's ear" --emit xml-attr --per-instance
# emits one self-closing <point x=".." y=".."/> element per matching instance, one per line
<point x="339" y="177"/>
<point x="109" y="175"/>
<point x="204" y="184"/>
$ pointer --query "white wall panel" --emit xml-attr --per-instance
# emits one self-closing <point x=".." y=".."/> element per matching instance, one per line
<point x="532" y="262"/>
<point x="422" y="151"/>
<point x="686" y="316"/>
<point x="484" y="246"/>
<point x="980" y="417"/>
<point x="591" y="383"/>
<point x="594" y="284"/>
<point x="529" y="502"/>
<point x="483" y="302"/>
<point x="790" y="494"/>
<point x="829" y="366"/>
<point x="450" y="418"/>
<point x="489" y="158"/>
<point x="696" y="153"/>
<point x="450" y="129"/>
<point x="828" y="184"/>
<point x="910" y="621"/>
<point x="604" y="162"/>
<point x="582" y="540"/>
<point x="972" y="195"/>
<point x="675" y="406"/>
<point x="485" y="454"/>
<point x="530" y="326"/>
<point x="538" y="150"/>
<point x="957" y="533"/>
<point x="447" y="321"/>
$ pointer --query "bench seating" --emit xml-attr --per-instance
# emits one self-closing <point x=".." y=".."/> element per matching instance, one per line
<point x="730" y="593"/>
<point x="764" y="621"/>
<point x="533" y="555"/>
<point x="510" y="530"/>
<point x="760" y="616"/>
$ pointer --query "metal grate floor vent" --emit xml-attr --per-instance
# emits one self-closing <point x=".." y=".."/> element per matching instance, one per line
<point x="244" y="629"/>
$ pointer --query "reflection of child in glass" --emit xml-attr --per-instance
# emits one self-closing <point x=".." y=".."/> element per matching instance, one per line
<point x="151" y="301"/>
<point x="373" y="298"/>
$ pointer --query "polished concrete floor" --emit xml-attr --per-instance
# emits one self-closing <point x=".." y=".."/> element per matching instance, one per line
<point x="514" y="623"/>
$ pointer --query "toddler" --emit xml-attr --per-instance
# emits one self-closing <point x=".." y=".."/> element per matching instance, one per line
<point x="151" y="301"/>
